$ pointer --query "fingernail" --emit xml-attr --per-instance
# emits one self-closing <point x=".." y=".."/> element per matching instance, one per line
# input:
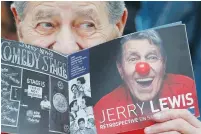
<point x="157" y="116"/>
<point x="147" y="130"/>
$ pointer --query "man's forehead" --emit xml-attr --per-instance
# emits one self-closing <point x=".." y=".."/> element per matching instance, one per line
<point x="46" y="10"/>
<point x="67" y="4"/>
<point x="139" y="44"/>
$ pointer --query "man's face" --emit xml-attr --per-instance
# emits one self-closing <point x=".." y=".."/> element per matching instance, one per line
<point x="74" y="89"/>
<point x="45" y="97"/>
<point x="79" y="83"/>
<point x="75" y="107"/>
<point x="81" y="125"/>
<point x="83" y="104"/>
<point x="143" y="87"/>
<point x="66" y="27"/>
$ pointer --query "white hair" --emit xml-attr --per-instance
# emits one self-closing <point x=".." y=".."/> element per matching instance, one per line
<point x="115" y="9"/>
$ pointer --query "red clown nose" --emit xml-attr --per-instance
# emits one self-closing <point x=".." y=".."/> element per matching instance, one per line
<point x="142" y="68"/>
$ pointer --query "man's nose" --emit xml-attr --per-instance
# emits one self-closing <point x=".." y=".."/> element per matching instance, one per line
<point x="65" y="41"/>
<point x="142" y="68"/>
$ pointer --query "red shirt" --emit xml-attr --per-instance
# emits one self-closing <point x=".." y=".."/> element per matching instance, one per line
<point x="119" y="113"/>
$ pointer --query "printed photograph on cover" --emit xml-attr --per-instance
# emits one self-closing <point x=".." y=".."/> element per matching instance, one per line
<point x="79" y="87"/>
<point x="81" y="109"/>
<point x="141" y="74"/>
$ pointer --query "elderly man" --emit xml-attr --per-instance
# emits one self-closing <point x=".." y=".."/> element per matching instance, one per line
<point x="67" y="27"/>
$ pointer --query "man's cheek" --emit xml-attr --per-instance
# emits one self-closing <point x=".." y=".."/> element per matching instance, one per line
<point x="92" y="41"/>
<point x="28" y="32"/>
<point x="130" y="71"/>
<point x="26" y="29"/>
<point x="40" y="40"/>
<point x="156" y="67"/>
<point x="102" y="36"/>
<point x="44" y="42"/>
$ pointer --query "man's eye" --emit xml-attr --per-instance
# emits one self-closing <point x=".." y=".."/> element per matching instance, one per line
<point x="152" y="58"/>
<point x="86" y="25"/>
<point x="132" y="59"/>
<point x="85" y="29"/>
<point x="45" y="27"/>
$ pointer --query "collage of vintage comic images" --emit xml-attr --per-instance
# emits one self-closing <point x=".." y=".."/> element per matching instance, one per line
<point x="81" y="109"/>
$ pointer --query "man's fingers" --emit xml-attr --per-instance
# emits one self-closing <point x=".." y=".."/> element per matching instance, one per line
<point x="172" y="114"/>
<point x="178" y="125"/>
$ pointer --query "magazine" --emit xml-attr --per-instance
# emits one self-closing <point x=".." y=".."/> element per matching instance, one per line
<point x="111" y="88"/>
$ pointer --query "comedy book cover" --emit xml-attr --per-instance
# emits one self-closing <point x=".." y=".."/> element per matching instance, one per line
<point x="112" y="88"/>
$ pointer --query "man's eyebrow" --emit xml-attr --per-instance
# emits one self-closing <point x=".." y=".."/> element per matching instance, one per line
<point x="152" y="52"/>
<point x="44" y="14"/>
<point x="90" y="12"/>
<point x="132" y="53"/>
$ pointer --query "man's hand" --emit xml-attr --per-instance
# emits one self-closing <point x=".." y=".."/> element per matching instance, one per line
<point x="174" y="121"/>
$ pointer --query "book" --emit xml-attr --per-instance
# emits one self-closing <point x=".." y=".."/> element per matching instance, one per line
<point x="111" y="88"/>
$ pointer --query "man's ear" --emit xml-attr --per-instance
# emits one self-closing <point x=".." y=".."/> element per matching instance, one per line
<point x="15" y="14"/>
<point x="119" y="67"/>
<point x="17" y="21"/>
<point x="122" y="22"/>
